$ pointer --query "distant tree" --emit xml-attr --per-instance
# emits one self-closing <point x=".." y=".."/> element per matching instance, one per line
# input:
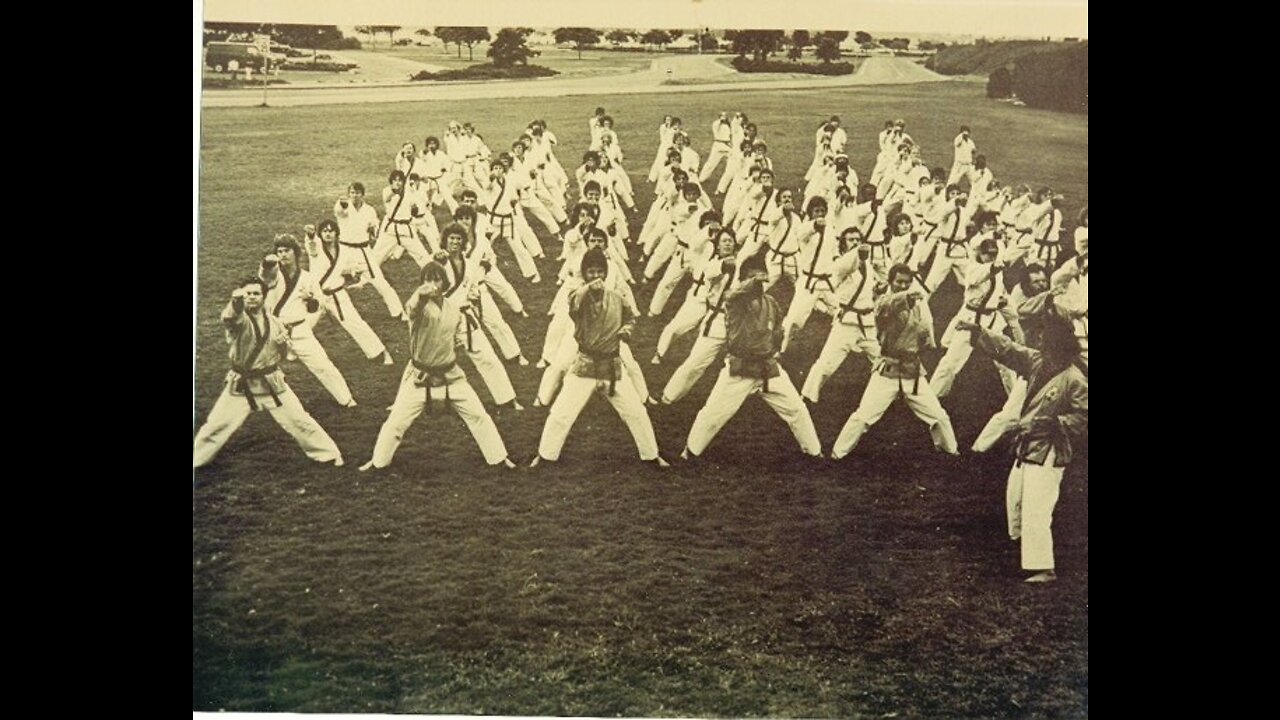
<point x="897" y="43"/>
<point x="311" y="37"/>
<point x="656" y="37"/>
<point x="580" y="37"/>
<point x="758" y="43"/>
<point x="730" y="35"/>
<point x="801" y="38"/>
<point x="366" y="30"/>
<point x="675" y="34"/>
<point x="1000" y="83"/>
<point x="218" y="32"/>
<point x="708" y="41"/>
<point x="390" y="30"/>
<point x="510" y="47"/>
<point x="423" y="32"/>
<point x="828" y="49"/>
<point x="468" y="36"/>
<point x="617" y="37"/>
<point x="838" y="35"/>
<point x="862" y="37"/>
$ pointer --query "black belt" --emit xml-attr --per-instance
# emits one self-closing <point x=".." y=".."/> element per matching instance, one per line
<point x="597" y="360"/>
<point x="760" y="364"/>
<point x="815" y="277"/>
<point x="247" y="375"/>
<point x="979" y="312"/>
<point x="435" y="378"/>
<point x="861" y="313"/>
<point x="915" y="386"/>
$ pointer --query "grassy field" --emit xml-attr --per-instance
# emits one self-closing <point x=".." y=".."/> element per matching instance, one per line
<point x="565" y="62"/>
<point x="751" y="584"/>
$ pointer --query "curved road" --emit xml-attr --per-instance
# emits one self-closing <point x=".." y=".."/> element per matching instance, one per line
<point x="702" y="68"/>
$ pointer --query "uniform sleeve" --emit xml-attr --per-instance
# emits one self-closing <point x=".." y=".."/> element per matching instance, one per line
<point x="1075" y="421"/>
<point x="1019" y="358"/>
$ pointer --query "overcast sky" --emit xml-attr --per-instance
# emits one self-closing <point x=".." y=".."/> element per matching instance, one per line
<point x="1033" y="18"/>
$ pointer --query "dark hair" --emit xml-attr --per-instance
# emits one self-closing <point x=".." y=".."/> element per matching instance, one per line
<point x="464" y="213"/>
<point x="358" y="187"/>
<point x="1058" y="341"/>
<point x="751" y="264"/>
<point x="980" y="162"/>
<point x="899" y="269"/>
<point x="469" y="193"/>
<point x="396" y="175"/>
<point x="596" y="234"/>
<point x="287" y="241"/>
<point x="584" y="207"/>
<point x="594" y="258"/>
<point x="709" y="217"/>
<point x="591" y="185"/>
<point x="328" y="223"/>
<point x="253" y="280"/>
<point x="866" y="191"/>
<point x="815" y="202"/>
<point x="1027" y="272"/>
<point x="454" y="228"/>
<point x="434" y="271"/>
<point x="691" y="187"/>
<point x="431" y="139"/>
<point x="964" y="128"/>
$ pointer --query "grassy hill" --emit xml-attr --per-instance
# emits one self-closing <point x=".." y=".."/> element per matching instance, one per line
<point x="981" y="59"/>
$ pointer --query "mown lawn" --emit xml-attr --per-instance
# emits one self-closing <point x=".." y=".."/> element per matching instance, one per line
<point x="750" y="584"/>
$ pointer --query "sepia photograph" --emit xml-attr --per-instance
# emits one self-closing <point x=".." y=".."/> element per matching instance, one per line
<point x="678" y="358"/>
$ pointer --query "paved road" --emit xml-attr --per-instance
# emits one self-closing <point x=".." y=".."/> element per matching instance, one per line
<point x="874" y="71"/>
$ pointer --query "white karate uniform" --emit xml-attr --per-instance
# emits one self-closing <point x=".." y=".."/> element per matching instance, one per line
<point x="721" y="134"/>
<point x="326" y="266"/>
<point x="357" y="227"/>
<point x="853" y="328"/>
<point x="288" y="303"/>
<point x="984" y="296"/>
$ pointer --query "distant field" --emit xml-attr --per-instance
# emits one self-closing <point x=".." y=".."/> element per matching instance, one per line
<point x="750" y="585"/>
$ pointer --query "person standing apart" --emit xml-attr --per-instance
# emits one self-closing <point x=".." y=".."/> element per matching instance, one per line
<point x="258" y="343"/>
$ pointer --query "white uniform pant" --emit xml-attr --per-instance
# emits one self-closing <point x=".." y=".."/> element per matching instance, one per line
<point x="728" y="395"/>
<point x="339" y="306"/>
<point x="804" y="301"/>
<point x="230" y="412"/>
<point x="565" y="354"/>
<point x="687" y="318"/>
<point x="842" y="340"/>
<point x="496" y="325"/>
<point x="373" y="276"/>
<point x="719" y="152"/>
<point x="411" y="400"/>
<point x="880" y="393"/>
<point x="705" y="352"/>
<point x="527" y="236"/>
<point x="1030" y="499"/>
<point x="731" y="167"/>
<point x="1005" y="420"/>
<point x="502" y="289"/>
<point x="960" y="347"/>
<point x="959" y="170"/>
<point x="942" y="264"/>
<point x="556" y="329"/>
<point x="505" y="227"/>
<point x="304" y="345"/>
<point x="401" y="234"/>
<point x="487" y="364"/>
<point x="573" y="397"/>
<point x="671" y="277"/>
<point x="657" y="220"/>
<point x="659" y="160"/>
<point x="532" y="206"/>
